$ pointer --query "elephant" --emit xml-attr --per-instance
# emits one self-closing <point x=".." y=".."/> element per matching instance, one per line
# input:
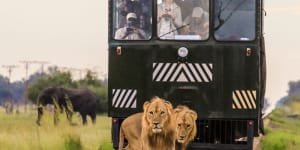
<point x="70" y="100"/>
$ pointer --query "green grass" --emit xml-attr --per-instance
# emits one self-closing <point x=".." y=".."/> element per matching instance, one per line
<point x="281" y="139"/>
<point x="283" y="131"/>
<point x="19" y="132"/>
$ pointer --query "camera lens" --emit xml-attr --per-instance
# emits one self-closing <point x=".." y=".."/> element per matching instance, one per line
<point x="129" y="29"/>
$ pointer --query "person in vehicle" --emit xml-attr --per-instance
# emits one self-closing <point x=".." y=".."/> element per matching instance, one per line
<point x="130" y="31"/>
<point x="124" y="7"/>
<point x="196" y="24"/>
<point x="168" y="19"/>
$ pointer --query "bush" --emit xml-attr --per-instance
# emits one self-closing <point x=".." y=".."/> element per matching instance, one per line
<point x="106" y="146"/>
<point x="73" y="143"/>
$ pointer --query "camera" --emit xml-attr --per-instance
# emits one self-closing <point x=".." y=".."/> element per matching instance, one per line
<point x="167" y="17"/>
<point x="132" y="19"/>
<point x="129" y="29"/>
<point x="132" y="22"/>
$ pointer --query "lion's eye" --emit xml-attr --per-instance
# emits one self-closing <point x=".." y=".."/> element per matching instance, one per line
<point x="161" y="113"/>
<point x="188" y="125"/>
<point x="151" y="113"/>
<point x="179" y="125"/>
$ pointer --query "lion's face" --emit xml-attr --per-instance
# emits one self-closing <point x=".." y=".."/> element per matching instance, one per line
<point x="186" y="125"/>
<point x="157" y="114"/>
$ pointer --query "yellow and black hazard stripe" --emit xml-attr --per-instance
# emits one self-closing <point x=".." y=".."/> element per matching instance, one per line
<point x="244" y="99"/>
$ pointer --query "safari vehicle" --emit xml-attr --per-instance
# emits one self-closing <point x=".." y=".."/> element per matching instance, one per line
<point x="220" y="74"/>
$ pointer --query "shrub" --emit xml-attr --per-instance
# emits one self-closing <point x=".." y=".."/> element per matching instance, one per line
<point x="72" y="142"/>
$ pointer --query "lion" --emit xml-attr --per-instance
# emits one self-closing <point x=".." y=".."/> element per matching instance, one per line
<point x="131" y="129"/>
<point x="158" y="125"/>
<point x="186" y="126"/>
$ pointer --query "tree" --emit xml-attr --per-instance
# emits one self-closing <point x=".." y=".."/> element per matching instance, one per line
<point x="48" y="80"/>
<point x="294" y="87"/>
<point x="64" y="79"/>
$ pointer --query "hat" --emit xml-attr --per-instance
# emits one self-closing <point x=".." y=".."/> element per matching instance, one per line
<point x="197" y="12"/>
<point x="131" y="15"/>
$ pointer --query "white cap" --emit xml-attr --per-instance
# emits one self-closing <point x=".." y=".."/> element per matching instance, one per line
<point x="197" y="12"/>
<point x="131" y="15"/>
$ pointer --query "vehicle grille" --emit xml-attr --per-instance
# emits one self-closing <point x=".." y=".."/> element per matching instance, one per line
<point x="221" y="132"/>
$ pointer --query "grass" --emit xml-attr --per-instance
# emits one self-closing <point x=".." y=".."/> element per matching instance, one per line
<point x="281" y="139"/>
<point x="283" y="131"/>
<point x="19" y="132"/>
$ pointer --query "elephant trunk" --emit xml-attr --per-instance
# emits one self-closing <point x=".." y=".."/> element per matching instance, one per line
<point x="40" y="114"/>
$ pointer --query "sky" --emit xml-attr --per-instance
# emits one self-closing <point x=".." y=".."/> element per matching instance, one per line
<point x="73" y="33"/>
<point x="66" y="33"/>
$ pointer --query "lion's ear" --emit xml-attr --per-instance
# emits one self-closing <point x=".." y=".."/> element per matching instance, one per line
<point x="179" y="108"/>
<point x="146" y="105"/>
<point x="193" y="114"/>
<point x="169" y="105"/>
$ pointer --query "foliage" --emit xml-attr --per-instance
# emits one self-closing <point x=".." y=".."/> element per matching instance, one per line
<point x="294" y="87"/>
<point x="17" y="88"/>
<point x="280" y="139"/>
<point x="283" y="131"/>
<point x="64" y="79"/>
<point x="55" y="79"/>
<point x="72" y="142"/>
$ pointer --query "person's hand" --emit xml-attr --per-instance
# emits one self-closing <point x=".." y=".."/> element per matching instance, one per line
<point x="172" y="14"/>
<point x="159" y="15"/>
<point x="137" y="31"/>
<point x="185" y="30"/>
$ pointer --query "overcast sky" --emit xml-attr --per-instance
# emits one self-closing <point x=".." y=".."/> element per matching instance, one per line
<point x="73" y="33"/>
<point x="67" y="33"/>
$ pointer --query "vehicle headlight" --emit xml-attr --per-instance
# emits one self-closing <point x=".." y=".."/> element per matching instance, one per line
<point x="182" y="52"/>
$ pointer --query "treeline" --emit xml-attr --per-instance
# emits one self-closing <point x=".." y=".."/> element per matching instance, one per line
<point x="293" y="94"/>
<point x="37" y="82"/>
<point x="17" y="90"/>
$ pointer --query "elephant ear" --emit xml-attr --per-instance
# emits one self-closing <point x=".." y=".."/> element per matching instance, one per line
<point x="59" y="92"/>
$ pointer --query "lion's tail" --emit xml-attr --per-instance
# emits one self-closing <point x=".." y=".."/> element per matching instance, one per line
<point x="121" y="139"/>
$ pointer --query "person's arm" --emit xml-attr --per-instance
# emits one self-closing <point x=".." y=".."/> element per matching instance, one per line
<point x="204" y="31"/>
<point x="177" y="16"/>
<point x="159" y="12"/>
<point x="121" y="34"/>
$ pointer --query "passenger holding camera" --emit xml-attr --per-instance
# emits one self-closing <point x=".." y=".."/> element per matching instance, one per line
<point x="196" y="24"/>
<point x="130" y="31"/>
<point x="169" y="18"/>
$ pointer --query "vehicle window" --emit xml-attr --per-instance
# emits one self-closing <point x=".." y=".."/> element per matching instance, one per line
<point x="183" y="19"/>
<point x="132" y="19"/>
<point x="234" y="20"/>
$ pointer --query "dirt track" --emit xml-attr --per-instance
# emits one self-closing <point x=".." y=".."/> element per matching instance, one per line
<point x="256" y="141"/>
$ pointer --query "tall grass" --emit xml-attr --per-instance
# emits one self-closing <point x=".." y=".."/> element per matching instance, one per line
<point x="283" y="131"/>
<point x="281" y="140"/>
<point x="20" y="132"/>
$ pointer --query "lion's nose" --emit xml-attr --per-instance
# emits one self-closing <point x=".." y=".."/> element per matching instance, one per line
<point x="155" y="123"/>
<point x="182" y="137"/>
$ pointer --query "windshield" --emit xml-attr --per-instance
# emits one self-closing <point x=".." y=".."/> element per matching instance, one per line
<point x="234" y="20"/>
<point x="183" y="19"/>
<point x="132" y="19"/>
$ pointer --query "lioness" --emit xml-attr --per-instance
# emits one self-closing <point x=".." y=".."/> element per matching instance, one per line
<point x="158" y="125"/>
<point x="186" y="126"/>
<point x="131" y="129"/>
